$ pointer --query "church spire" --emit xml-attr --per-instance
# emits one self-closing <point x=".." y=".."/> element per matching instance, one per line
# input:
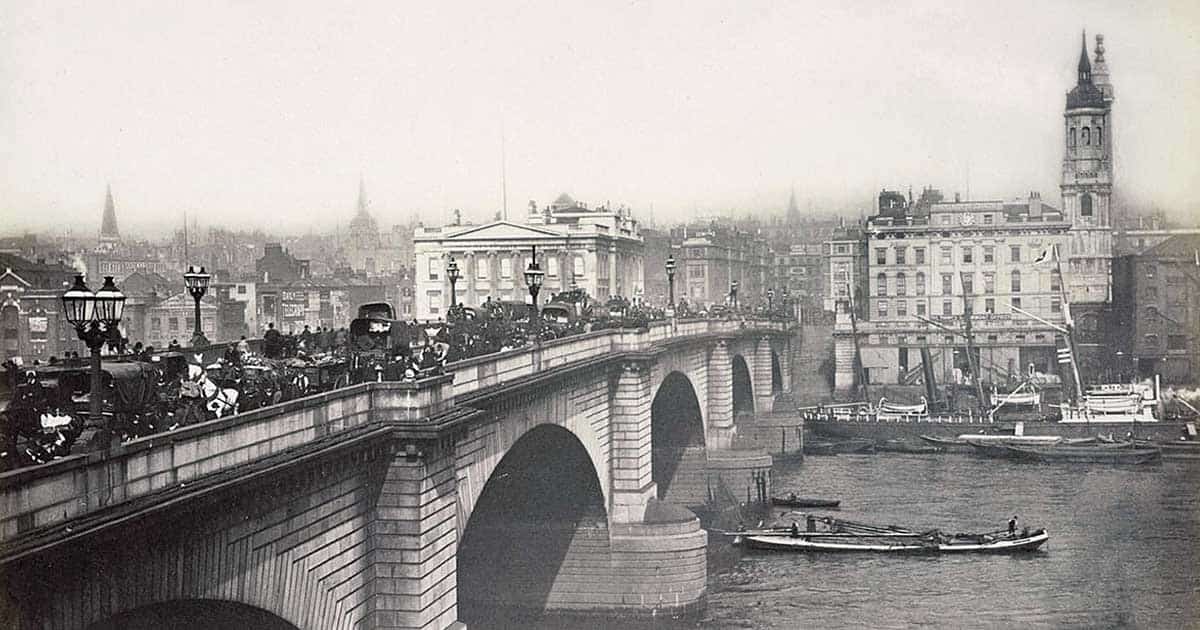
<point x="108" y="225"/>
<point x="362" y="196"/>
<point x="1085" y="66"/>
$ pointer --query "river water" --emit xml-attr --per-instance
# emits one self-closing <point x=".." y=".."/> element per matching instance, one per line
<point x="1124" y="550"/>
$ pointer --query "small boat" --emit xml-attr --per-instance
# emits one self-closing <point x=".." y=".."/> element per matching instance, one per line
<point x="905" y="446"/>
<point x="792" y="500"/>
<point x="844" y="536"/>
<point x="1099" y="454"/>
<point x="948" y="444"/>
<point x="846" y="447"/>
<point x="1011" y="439"/>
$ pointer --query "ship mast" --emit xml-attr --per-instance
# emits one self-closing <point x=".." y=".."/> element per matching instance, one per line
<point x="862" y="370"/>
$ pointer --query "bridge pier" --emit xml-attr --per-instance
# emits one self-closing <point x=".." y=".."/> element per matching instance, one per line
<point x="764" y="397"/>
<point x="721" y="429"/>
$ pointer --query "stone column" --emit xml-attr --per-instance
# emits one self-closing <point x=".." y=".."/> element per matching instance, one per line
<point x="632" y="482"/>
<point x="721" y="429"/>
<point x="785" y="364"/>
<point x="414" y="540"/>
<point x="763" y="397"/>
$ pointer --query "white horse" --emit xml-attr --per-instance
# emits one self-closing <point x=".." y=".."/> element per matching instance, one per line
<point x="221" y="401"/>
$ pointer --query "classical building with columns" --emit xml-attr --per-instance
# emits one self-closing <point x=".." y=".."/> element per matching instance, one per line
<point x="597" y="249"/>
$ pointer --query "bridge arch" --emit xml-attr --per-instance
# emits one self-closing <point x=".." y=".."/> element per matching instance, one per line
<point x="743" y="389"/>
<point x="677" y="439"/>
<point x="195" y="614"/>
<point x="540" y="517"/>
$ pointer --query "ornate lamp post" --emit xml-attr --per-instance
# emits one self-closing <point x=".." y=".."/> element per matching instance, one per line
<point x="453" y="275"/>
<point x="671" y="282"/>
<point x="733" y="287"/>
<point x="770" y="301"/>
<point x="197" y="285"/>
<point x="93" y="315"/>
<point x="533" y="278"/>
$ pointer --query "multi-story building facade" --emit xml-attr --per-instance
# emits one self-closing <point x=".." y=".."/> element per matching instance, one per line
<point x="843" y="268"/>
<point x="32" y="324"/>
<point x="599" y="250"/>
<point x="1165" y="337"/>
<point x="712" y="256"/>
<point x="1005" y="269"/>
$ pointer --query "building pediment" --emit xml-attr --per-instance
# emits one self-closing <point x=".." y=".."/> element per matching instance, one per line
<point x="10" y="281"/>
<point x="501" y="230"/>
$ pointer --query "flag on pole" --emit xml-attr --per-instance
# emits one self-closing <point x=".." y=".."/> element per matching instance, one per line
<point x="1049" y="253"/>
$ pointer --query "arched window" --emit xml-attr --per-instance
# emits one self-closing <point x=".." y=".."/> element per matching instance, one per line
<point x="1085" y="205"/>
<point x="1015" y="285"/>
<point x="920" y="283"/>
<point x="881" y="284"/>
<point x="1071" y="138"/>
<point x="1085" y="135"/>
<point x="901" y="284"/>
<point x="1099" y="136"/>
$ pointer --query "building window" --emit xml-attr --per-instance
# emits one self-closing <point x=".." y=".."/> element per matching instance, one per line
<point x="1174" y="342"/>
<point x="241" y="289"/>
<point x="901" y="284"/>
<point x="920" y="283"/>
<point x="968" y="283"/>
<point x="1150" y="340"/>
<point x="481" y="268"/>
<point x="406" y="308"/>
<point x="968" y="254"/>
<point x="921" y="308"/>
<point x="506" y="268"/>
<point x="989" y="283"/>
<point x="902" y="308"/>
<point x="880" y="256"/>
<point x="1150" y="270"/>
<point x="881" y="284"/>
<point x="1055" y="305"/>
<point x="989" y="305"/>
<point x="1071" y="138"/>
<point x="987" y="219"/>
<point x="901" y="255"/>
<point x="1014" y="253"/>
<point x="1016" y="282"/>
<point x="1016" y="302"/>
<point x="989" y="254"/>
<point x="947" y="255"/>
<point x="841" y="249"/>
<point x="577" y="269"/>
<point x="947" y="308"/>
<point x="156" y="325"/>
<point x="883" y="308"/>
<point x="945" y="219"/>
<point x="919" y="254"/>
<point x="434" y="268"/>
<point x="552" y="266"/>
<point x="1055" y="281"/>
<point x="1085" y="205"/>
<point x="172" y="324"/>
<point x="435" y="301"/>
<point x="1151" y="315"/>
<point x="1099" y="136"/>
<point x="1085" y="136"/>
<point x="947" y="284"/>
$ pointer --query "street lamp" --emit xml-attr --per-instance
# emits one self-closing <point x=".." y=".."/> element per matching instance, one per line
<point x="197" y="285"/>
<point x="770" y="301"/>
<point x="733" y="286"/>
<point x="93" y="315"/>
<point x="671" y="281"/>
<point x="453" y="275"/>
<point x="533" y="278"/>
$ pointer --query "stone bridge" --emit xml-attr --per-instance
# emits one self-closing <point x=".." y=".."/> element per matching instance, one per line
<point x="552" y="478"/>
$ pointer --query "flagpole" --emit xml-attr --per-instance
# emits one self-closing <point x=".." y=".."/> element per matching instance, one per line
<point x="1069" y="323"/>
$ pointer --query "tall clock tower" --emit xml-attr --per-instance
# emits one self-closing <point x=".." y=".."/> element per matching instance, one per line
<point x="1087" y="178"/>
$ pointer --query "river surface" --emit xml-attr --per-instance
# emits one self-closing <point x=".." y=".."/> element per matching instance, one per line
<point x="1124" y="550"/>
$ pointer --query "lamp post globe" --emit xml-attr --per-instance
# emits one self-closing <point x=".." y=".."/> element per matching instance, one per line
<point x="671" y="282"/>
<point x="96" y="318"/>
<point x="733" y="287"/>
<point x="197" y="285"/>
<point x="533" y="277"/>
<point x="770" y="300"/>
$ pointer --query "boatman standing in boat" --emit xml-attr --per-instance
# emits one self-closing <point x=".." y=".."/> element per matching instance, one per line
<point x="1012" y="526"/>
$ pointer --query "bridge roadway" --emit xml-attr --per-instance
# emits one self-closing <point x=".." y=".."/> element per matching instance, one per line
<point x="548" y="478"/>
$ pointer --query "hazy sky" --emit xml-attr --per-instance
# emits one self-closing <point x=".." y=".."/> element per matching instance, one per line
<point x="264" y="114"/>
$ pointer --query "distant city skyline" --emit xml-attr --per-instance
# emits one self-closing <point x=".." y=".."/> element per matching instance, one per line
<point x="267" y="116"/>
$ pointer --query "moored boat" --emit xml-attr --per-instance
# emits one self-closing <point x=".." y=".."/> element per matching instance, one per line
<point x="1099" y="454"/>
<point x="792" y="500"/>
<point x="906" y="446"/>
<point x="847" y="447"/>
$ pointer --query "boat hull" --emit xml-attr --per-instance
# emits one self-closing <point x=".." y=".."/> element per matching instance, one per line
<point x="816" y="543"/>
<point x="805" y="502"/>
<point x="1114" y="454"/>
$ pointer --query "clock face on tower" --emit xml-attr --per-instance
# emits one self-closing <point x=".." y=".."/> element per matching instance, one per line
<point x="966" y="218"/>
